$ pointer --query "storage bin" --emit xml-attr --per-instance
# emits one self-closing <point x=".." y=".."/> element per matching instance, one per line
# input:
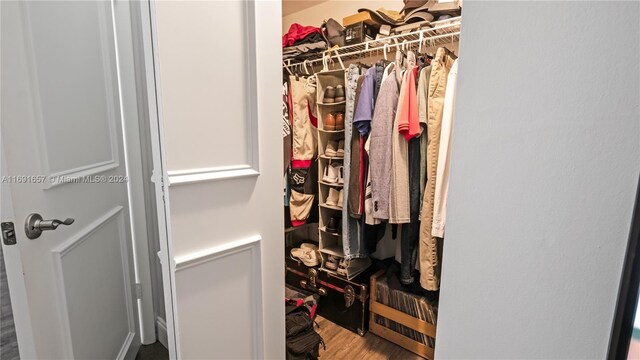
<point x="414" y="329"/>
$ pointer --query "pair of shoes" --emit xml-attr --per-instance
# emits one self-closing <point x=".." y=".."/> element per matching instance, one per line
<point x="332" y="94"/>
<point x="334" y="223"/>
<point x="307" y="253"/>
<point x="334" y="174"/>
<point x="334" y="121"/>
<point x="342" y="267"/>
<point x="335" y="197"/>
<point x="334" y="148"/>
<point x="332" y="262"/>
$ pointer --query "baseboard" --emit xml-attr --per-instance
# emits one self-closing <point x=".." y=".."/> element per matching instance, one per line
<point x="161" y="329"/>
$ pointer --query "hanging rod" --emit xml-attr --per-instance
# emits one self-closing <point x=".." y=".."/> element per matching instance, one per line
<point x="441" y="32"/>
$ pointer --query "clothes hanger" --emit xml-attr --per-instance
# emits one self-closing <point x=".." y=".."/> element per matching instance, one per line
<point x="305" y="66"/>
<point x="339" y="60"/>
<point x="287" y="67"/>
<point x="398" y="62"/>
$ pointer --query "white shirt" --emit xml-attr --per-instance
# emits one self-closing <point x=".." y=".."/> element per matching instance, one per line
<point x="444" y="158"/>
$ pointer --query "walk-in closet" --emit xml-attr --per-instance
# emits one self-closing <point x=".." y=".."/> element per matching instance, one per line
<point x="332" y="179"/>
<point x="368" y="97"/>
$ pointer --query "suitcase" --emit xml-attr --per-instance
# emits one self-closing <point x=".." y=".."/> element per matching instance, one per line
<point x="343" y="302"/>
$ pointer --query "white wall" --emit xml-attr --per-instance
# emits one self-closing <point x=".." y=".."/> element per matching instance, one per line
<point x="545" y="163"/>
<point x="336" y="9"/>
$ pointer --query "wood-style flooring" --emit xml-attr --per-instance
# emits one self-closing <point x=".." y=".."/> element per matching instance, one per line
<point x="8" y="340"/>
<point x="344" y="344"/>
<point x="340" y="342"/>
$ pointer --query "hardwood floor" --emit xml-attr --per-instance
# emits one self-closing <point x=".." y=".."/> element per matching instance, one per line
<point x="343" y="344"/>
<point x="8" y="340"/>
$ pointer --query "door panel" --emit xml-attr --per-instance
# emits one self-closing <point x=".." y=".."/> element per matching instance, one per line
<point x="206" y="51"/>
<point x="61" y="70"/>
<point x="201" y="279"/>
<point x="219" y="123"/>
<point x="93" y="265"/>
<point x="62" y="120"/>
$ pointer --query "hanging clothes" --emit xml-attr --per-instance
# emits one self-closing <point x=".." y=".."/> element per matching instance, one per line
<point x="286" y="127"/>
<point x="423" y="94"/>
<point x="380" y="146"/>
<point x="351" y="229"/>
<point x="364" y="110"/>
<point x="304" y="149"/>
<point x="430" y="252"/>
<point x="407" y="108"/>
<point x="444" y="158"/>
<point x="355" y="177"/>
<point x="408" y="120"/>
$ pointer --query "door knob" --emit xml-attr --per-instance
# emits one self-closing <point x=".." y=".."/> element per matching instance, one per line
<point x="34" y="225"/>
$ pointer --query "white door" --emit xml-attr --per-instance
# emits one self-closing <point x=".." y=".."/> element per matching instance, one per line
<point x="62" y="116"/>
<point x="218" y="85"/>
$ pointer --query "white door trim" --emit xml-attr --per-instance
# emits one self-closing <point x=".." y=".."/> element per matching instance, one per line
<point x="15" y="274"/>
<point x="160" y="177"/>
<point x="133" y="163"/>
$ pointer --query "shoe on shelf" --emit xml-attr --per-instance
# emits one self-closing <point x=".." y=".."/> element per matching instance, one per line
<point x="331" y="174"/>
<point x="339" y="121"/>
<point x="341" y="175"/>
<point x="334" y="224"/>
<point x="340" y="150"/>
<point x="309" y="257"/>
<point x="332" y="148"/>
<point x="339" y="93"/>
<point x="333" y="197"/>
<point x="330" y="122"/>
<point x="340" y="199"/>
<point x="332" y="262"/>
<point x="330" y="95"/>
<point x="342" y="267"/>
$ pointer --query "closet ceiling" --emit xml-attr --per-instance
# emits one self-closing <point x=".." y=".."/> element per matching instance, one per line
<point x="293" y="6"/>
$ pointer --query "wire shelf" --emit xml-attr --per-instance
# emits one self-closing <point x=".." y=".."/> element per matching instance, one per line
<point x="440" y="33"/>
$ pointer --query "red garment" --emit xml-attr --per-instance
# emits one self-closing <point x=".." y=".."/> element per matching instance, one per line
<point x="408" y="118"/>
<point x="298" y="32"/>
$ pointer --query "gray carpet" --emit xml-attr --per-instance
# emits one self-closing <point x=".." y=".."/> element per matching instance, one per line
<point x="8" y="340"/>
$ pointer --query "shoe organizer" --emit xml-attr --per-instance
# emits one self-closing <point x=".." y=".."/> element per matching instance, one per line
<point x="331" y="242"/>
<point x="325" y="79"/>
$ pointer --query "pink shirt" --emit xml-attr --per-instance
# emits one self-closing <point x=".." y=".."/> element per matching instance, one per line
<point x="409" y="121"/>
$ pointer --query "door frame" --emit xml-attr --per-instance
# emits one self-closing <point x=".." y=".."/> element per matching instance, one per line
<point x="145" y="22"/>
<point x="627" y="303"/>
<point x="136" y="203"/>
<point x="15" y="273"/>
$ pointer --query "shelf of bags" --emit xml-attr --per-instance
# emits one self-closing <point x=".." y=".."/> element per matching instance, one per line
<point x="324" y="230"/>
<point x="327" y="157"/>
<point x="441" y="33"/>
<point x="333" y="103"/>
<point x="332" y="207"/>
<point x="333" y="250"/>
<point x="332" y="131"/>
<point x="330" y="184"/>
